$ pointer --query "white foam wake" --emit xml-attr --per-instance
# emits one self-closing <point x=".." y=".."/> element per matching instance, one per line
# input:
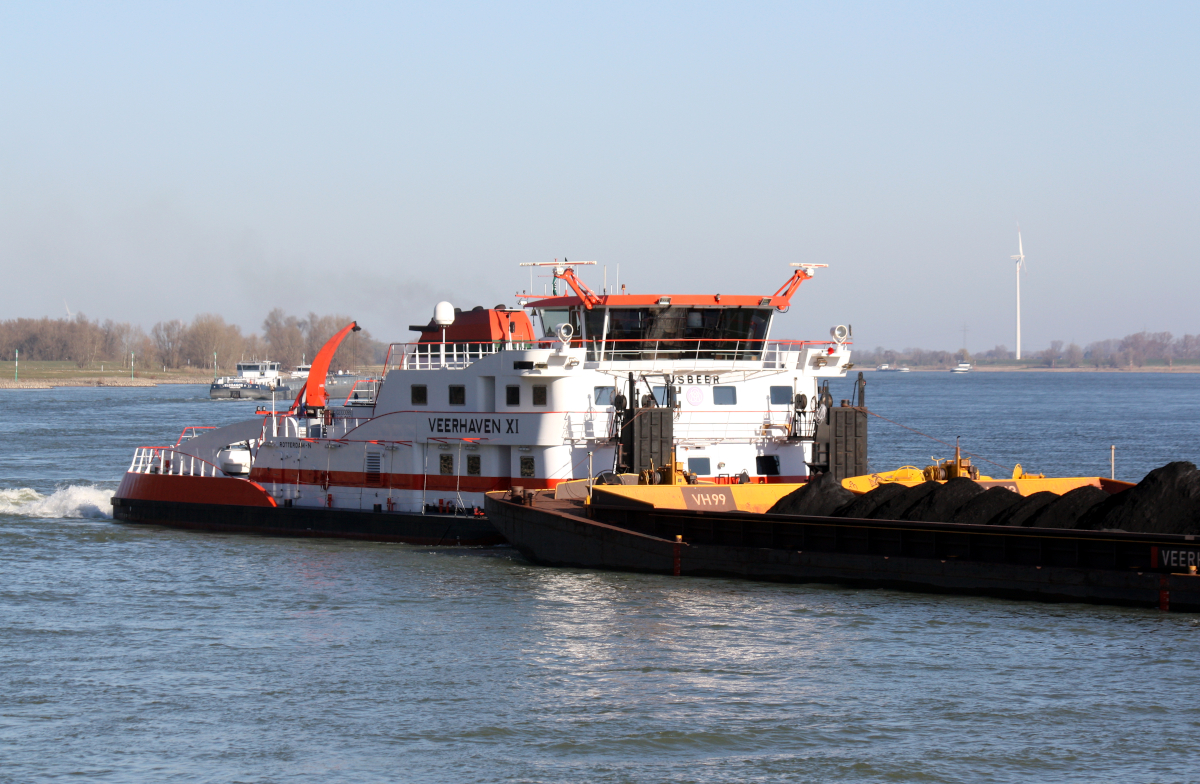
<point x="69" y="501"/>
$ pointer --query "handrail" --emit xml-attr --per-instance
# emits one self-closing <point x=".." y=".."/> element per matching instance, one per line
<point x="333" y="422"/>
<point x="145" y="457"/>
<point x="435" y="355"/>
<point x="371" y="391"/>
<point x="185" y="436"/>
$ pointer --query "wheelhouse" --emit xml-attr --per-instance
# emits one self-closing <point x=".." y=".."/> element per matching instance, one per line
<point x="258" y="369"/>
<point x="630" y="331"/>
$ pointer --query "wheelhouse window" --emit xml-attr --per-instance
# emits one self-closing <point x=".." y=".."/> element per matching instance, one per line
<point x="781" y="396"/>
<point x="458" y="395"/>
<point x="551" y="318"/>
<point x="420" y="395"/>
<point x="539" y="394"/>
<point x="474" y="465"/>
<point x="512" y="395"/>
<point x="527" y="467"/>
<point x="446" y="465"/>
<point x="680" y="332"/>
<point x="603" y="396"/>
<point x="725" y="396"/>
<point x="701" y="466"/>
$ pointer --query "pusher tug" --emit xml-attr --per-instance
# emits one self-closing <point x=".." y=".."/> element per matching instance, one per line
<point x="489" y="399"/>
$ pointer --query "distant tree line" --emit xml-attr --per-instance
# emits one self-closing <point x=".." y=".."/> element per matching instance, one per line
<point x="1134" y="350"/>
<point x="206" y="341"/>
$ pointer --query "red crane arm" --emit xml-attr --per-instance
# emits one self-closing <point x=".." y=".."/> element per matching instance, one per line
<point x="312" y="395"/>
<point x="588" y="296"/>
<point x="788" y="289"/>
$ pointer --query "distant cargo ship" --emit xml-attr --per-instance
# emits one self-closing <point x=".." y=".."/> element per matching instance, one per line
<point x="258" y="380"/>
<point x="264" y="380"/>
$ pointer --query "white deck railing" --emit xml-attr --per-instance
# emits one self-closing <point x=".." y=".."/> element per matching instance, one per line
<point x="438" y="356"/>
<point x="284" y="425"/>
<point x="166" y="460"/>
<point x="684" y="355"/>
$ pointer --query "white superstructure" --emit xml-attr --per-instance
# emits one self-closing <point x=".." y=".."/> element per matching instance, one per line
<point x="529" y="397"/>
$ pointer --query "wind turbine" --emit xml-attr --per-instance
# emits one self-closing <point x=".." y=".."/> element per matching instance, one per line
<point x="1020" y="259"/>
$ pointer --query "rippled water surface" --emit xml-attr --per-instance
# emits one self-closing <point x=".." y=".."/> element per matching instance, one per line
<point x="145" y="654"/>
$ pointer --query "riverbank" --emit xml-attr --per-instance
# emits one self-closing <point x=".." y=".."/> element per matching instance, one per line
<point x="86" y="382"/>
<point x="1176" y="370"/>
<point x="47" y="375"/>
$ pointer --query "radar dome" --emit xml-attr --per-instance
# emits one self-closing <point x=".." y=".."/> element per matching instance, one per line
<point x="443" y="314"/>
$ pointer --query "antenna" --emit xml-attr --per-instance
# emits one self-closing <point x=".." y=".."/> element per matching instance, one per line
<point x="566" y="263"/>
<point x="1020" y="259"/>
<point x="559" y="269"/>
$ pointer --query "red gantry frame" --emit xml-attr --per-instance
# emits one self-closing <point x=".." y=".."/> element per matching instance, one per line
<point x="780" y="300"/>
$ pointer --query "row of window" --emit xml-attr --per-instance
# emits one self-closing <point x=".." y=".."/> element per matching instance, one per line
<point x="722" y="395"/>
<point x="475" y="465"/>
<point x="765" y="465"/>
<point x="458" y="395"/>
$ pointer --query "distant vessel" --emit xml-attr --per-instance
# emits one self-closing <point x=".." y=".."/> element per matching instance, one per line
<point x="257" y="380"/>
<point x="264" y="380"/>
<point x="961" y="367"/>
<point x="890" y="369"/>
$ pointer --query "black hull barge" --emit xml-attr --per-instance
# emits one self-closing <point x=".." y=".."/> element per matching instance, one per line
<point x="236" y="505"/>
<point x="433" y="529"/>
<point x="1053" y="565"/>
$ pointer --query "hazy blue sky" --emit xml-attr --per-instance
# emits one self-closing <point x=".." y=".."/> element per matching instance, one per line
<point x="163" y="159"/>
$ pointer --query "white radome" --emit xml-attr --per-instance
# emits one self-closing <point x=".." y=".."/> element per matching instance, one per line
<point x="443" y="314"/>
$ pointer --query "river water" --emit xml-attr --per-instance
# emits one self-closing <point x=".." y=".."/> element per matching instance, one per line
<point x="147" y="654"/>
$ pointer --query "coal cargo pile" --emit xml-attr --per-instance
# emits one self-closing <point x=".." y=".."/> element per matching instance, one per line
<point x="986" y="506"/>
<point x="894" y="508"/>
<point x="1167" y="501"/>
<point x="941" y="505"/>
<point x="1023" y="512"/>
<point x="821" y="497"/>
<point x="862" y="507"/>
<point x="1070" y="508"/>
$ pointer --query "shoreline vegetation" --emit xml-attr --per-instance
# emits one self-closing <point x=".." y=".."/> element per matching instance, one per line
<point x="206" y="348"/>
<point x="1144" y="351"/>
<point x="1022" y="368"/>
<point x="79" y="352"/>
<point x="50" y="375"/>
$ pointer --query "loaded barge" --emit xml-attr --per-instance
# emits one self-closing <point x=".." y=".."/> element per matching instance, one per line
<point x="713" y="535"/>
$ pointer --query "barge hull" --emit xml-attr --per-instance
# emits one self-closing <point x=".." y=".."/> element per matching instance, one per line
<point x="864" y="554"/>
<point x="435" y="530"/>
